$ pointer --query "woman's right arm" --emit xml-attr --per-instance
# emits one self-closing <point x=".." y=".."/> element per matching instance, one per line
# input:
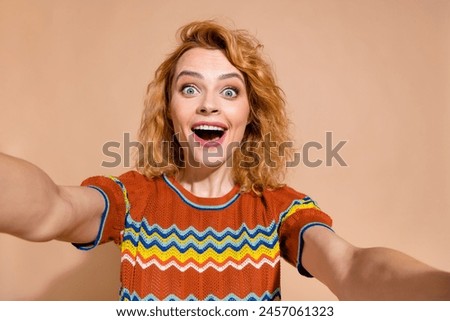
<point x="34" y="208"/>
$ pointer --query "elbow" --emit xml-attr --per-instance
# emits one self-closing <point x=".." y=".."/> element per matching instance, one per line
<point x="53" y="218"/>
<point x="355" y="280"/>
<point x="344" y="284"/>
<point x="369" y="276"/>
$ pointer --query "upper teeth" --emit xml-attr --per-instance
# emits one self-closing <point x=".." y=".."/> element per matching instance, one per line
<point x="208" y="127"/>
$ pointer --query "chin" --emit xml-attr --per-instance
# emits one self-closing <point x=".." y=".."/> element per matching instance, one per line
<point x="207" y="158"/>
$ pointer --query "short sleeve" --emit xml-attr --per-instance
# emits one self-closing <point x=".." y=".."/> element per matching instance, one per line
<point x="300" y="215"/>
<point x="117" y="206"/>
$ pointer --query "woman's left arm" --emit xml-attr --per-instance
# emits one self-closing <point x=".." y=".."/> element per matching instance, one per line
<point x="353" y="273"/>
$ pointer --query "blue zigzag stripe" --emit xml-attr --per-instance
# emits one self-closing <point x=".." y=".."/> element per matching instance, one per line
<point x="199" y="235"/>
<point x="267" y="296"/>
<point x="172" y="236"/>
<point x="200" y="249"/>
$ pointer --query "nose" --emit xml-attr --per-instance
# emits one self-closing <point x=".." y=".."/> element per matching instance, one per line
<point x="208" y="106"/>
<point x="206" y="110"/>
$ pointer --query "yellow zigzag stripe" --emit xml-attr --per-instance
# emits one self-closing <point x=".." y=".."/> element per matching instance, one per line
<point x="298" y="207"/>
<point x="200" y="258"/>
<point x="124" y="192"/>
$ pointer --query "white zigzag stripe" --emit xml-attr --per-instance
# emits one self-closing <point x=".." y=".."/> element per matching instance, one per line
<point x="200" y="269"/>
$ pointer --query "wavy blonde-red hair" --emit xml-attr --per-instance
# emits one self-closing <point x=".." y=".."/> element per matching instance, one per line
<point x="162" y="155"/>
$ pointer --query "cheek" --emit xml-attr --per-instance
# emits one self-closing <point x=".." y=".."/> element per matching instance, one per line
<point x="240" y="121"/>
<point x="243" y="115"/>
<point x="180" y="110"/>
<point x="175" y="114"/>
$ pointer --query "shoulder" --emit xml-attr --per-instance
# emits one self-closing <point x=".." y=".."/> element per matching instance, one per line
<point x="142" y="192"/>
<point x="282" y="197"/>
<point x="130" y="187"/>
<point x="139" y="185"/>
<point x="126" y="180"/>
<point x="133" y="177"/>
<point x="285" y="200"/>
<point x="284" y="191"/>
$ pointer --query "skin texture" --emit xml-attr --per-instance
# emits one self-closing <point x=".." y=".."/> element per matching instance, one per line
<point x="34" y="208"/>
<point x="353" y="273"/>
<point x="208" y="90"/>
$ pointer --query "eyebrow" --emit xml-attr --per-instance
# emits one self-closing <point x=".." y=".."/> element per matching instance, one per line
<point x="200" y="76"/>
<point x="232" y="75"/>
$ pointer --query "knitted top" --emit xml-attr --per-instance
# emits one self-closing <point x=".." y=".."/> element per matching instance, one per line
<point x="177" y="246"/>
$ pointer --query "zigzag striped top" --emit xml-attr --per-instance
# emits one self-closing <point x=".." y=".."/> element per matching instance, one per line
<point x="177" y="246"/>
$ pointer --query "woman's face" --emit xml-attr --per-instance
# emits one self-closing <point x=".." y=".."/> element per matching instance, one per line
<point x="209" y="107"/>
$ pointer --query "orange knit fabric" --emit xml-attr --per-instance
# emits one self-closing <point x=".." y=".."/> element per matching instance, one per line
<point x="177" y="246"/>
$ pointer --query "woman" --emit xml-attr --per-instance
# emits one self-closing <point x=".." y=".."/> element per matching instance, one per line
<point x="206" y="216"/>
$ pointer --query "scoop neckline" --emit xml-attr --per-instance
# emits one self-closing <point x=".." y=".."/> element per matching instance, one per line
<point x="203" y="203"/>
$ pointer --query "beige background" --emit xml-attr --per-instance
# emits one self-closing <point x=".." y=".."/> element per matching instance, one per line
<point x="375" y="73"/>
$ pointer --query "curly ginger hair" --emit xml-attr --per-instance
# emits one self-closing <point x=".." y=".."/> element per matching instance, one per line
<point x="267" y="110"/>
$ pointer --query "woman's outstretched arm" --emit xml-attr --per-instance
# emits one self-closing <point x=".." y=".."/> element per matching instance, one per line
<point x="353" y="273"/>
<point x="34" y="208"/>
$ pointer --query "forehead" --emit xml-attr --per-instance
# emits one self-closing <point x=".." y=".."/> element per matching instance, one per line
<point x="205" y="61"/>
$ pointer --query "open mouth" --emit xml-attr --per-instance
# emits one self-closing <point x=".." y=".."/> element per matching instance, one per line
<point x="208" y="132"/>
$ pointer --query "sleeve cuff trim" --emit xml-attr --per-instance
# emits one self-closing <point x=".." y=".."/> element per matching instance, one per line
<point x="90" y="246"/>
<point x="300" y="267"/>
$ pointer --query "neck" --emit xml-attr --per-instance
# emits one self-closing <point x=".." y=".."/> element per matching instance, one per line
<point x="214" y="182"/>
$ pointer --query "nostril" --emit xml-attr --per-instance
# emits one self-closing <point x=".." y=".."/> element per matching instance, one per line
<point x="208" y="110"/>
